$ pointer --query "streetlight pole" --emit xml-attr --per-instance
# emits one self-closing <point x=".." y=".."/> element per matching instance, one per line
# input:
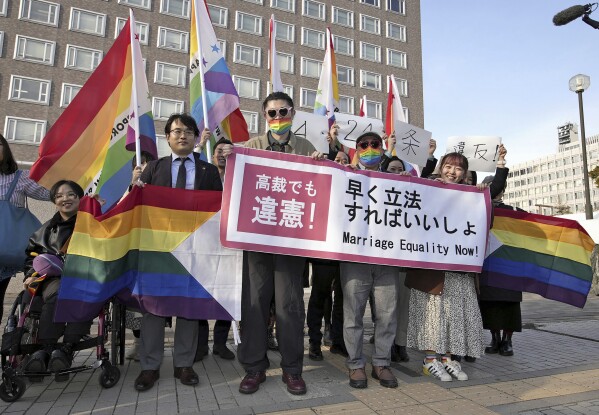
<point x="578" y="84"/>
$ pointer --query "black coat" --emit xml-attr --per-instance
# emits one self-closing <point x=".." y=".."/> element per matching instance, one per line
<point x="158" y="172"/>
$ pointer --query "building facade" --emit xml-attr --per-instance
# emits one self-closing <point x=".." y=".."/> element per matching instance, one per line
<point x="553" y="184"/>
<point x="48" y="49"/>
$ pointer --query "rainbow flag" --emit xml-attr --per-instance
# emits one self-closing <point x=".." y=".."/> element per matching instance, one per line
<point x="327" y="95"/>
<point x="158" y="250"/>
<point x="539" y="254"/>
<point x="210" y="81"/>
<point x="93" y="139"/>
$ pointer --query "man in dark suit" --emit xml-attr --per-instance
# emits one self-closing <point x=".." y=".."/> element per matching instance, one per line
<point x="182" y="169"/>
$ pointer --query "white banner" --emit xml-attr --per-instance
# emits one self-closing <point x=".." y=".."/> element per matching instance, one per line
<point x="481" y="151"/>
<point x="313" y="127"/>
<point x="353" y="126"/>
<point x="411" y="143"/>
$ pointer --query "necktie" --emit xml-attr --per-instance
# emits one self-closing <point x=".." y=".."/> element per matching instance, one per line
<point x="182" y="174"/>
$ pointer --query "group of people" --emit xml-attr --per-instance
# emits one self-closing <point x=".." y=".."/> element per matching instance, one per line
<point x="438" y="312"/>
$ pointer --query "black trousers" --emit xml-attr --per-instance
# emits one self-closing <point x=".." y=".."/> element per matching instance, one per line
<point x="221" y="332"/>
<point x="325" y="281"/>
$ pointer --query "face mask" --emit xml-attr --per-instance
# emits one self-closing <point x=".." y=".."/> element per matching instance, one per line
<point x="280" y="126"/>
<point x="370" y="157"/>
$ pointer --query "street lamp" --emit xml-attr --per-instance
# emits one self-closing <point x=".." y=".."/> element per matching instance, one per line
<point x="578" y="84"/>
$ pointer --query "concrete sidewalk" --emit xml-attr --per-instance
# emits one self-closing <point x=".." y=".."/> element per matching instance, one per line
<point x="555" y="370"/>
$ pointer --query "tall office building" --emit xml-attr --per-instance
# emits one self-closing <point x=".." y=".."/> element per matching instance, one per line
<point x="551" y="184"/>
<point x="49" y="48"/>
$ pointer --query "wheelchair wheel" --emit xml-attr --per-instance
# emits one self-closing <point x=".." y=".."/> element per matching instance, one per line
<point x="110" y="376"/>
<point x="12" y="389"/>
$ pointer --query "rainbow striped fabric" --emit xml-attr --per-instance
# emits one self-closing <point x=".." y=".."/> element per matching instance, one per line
<point x="159" y="251"/>
<point x="540" y="254"/>
<point x="92" y="142"/>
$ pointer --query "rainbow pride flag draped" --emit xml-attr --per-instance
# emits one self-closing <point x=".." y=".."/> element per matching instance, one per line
<point x="210" y="76"/>
<point x="539" y="254"/>
<point x="93" y="139"/>
<point x="158" y="250"/>
<point x="327" y="95"/>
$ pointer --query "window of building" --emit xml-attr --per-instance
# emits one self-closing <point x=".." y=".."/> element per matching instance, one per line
<point x="307" y="98"/>
<point x="68" y="93"/>
<point x="254" y="1"/>
<point x="24" y="130"/>
<point x="178" y="8"/>
<point x="170" y="74"/>
<point x="39" y="11"/>
<point x="314" y="9"/>
<point x="345" y="75"/>
<point x="342" y="17"/>
<point x="247" y="87"/>
<point x="251" y="118"/>
<point x="370" y="24"/>
<point x="87" y="22"/>
<point x="343" y="45"/>
<point x="248" y="23"/>
<point x="288" y="89"/>
<point x="142" y="4"/>
<point x="247" y="55"/>
<point x="312" y="38"/>
<point x="287" y="5"/>
<point x="172" y="39"/>
<point x="34" y="50"/>
<point x="162" y="108"/>
<point x="402" y="86"/>
<point x="406" y="114"/>
<point x="83" y="59"/>
<point x="370" y="80"/>
<point x="346" y="104"/>
<point x="375" y="3"/>
<point x="396" y="31"/>
<point x="223" y="47"/>
<point x="1" y="42"/>
<point x="396" y="6"/>
<point x="311" y="68"/>
<point x="31" y="90"/>
<point x="374" y="109"/>
<point x="142" y="29"/>
<point x="286" y="62"/>
<point x="3" y="7"/>
<point x="218" y="15"/>
<point x="285" y="32"/>
<point x="370" y="52"/>
<point x="397" y="58"/>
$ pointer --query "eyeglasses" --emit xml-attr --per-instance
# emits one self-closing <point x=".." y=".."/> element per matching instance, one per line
<point x="70" y="195"/>
<point x="178" y="132"/>
<point x="373" y="144"/>
<point x="283" y="111"/>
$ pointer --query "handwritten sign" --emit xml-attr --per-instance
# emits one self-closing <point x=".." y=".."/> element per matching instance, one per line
<point x="353" y="126"/>
<point x="481" y="151"/>
<point x="411" y="143"/>
<point x="313" y="127"/>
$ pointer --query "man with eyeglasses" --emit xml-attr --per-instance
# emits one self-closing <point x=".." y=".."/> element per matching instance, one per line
<point x="183" y="169"/>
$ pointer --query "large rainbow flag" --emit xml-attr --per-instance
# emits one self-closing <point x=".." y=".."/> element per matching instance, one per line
<point x="539" y="254"/>
<point x="158" y="250"/>
<point x="93" y="140"/>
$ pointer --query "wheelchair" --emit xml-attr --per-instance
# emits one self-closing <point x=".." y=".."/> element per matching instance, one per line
<point x="19" y="342"/>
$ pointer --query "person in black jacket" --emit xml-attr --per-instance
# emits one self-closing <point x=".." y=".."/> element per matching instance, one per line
<point x="52" y="238"/>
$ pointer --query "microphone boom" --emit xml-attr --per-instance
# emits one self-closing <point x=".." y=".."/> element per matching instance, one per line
<point x="570" y="14"/>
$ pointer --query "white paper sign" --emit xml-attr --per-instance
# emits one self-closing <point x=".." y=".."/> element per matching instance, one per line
<point x="353" y="126"/>
<point x="412" y="143"/>
<point x="313" y="127"/>
<point x="481" y="151"/>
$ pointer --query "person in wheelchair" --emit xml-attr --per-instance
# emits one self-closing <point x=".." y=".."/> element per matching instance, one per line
<point x="53" y="238"/>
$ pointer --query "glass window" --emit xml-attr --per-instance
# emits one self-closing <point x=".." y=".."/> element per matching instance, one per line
<point x="370" y="24"/>
<point x="24" y="129"/>
<point x="285" y="32"/>
<point x="247" y="55"/>
<point x="311" y="68"/>
<point x="370" y="80"/>
<point x="402" y="86"/>
<point x="87" y="22"/>
<point x="170" y="74"/>
<point x="223" y="47"/>
<point x="343" y="45"/>
<point x="396" y="6"/>
<point x="314" y="9"/>
<point x="179" y="8"/>
<point x="142" y="29"/>
<point x="162" y="108"/>
<point x="286" y="62"/>
<point x="254" y="1"/>
<point x="396" y="31"/>
<point x="218" y="15"/>
<point x="370" y="52"/>
<point x="172" y="39"/>
<point x="3" y="7"/>
<point x="312" y="38"/>
<point x="307" y="98"/>
<point x="247" y="87"/>
<point x="288" y="89"/>
<point x="83" y="59"/>
<point x="68" y="93"/>
<point x="143" y="4"/>
<point x="34" y="50"/>
<point x="374" y="109"/>
<point x="342" y="17"/>
<point x="345" y="75"/>
<point x="375" y="3"/>
<point x="346" y="104"/>
<point x="39" y="11"/>
<point x="1" y="42"/>
<point x="397" y="58"/>
<point x="29" y="90"/>
<point x="287" y="5"/>
<point x="248" y="23"/>
<point x="251" y="118"/>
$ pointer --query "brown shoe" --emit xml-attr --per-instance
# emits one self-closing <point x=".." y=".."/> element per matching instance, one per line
<point x="146" y="380"/>
<point x="251" y="382"/>
<point x="187" y="376"/>
<point x="384" y="375"/>
<point x="357" y="378"/>
<point x="295" y="384"/>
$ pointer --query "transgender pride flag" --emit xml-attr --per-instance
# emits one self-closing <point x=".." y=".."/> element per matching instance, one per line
<point x="212" y="93"/>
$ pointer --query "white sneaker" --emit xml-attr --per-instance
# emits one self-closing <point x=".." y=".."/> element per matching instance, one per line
<point x="455" y="369"/>
<point x="436" y="369"/>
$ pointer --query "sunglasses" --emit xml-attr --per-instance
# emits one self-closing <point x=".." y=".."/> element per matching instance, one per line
<point x="283" y="111"/>
<point x="372" y="144"/>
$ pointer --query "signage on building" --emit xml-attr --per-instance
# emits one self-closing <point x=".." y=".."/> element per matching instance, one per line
<point x="563" y="133"/>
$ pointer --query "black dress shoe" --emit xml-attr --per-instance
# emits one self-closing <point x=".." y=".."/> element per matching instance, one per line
<point x="187" y="376"/>
<point x="223" y="351"/>
<point x="146" y="380"/>
<point x="314" y="352"/>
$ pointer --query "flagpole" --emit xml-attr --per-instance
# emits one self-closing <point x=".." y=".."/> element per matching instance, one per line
<point x="136" y="114"/>
<point x="201" y="66"/>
